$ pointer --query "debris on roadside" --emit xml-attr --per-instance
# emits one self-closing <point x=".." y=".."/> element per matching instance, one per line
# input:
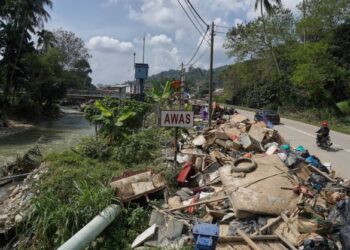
<point x="242" y="186"/>
<point x="132" y="186"/>
<point x="14" y="206"/>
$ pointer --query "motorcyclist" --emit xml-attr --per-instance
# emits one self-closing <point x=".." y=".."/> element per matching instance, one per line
<point x="323" y="133"/>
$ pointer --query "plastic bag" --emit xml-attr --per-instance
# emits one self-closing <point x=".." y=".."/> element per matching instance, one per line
<point x="340" y="214"/>
<point x="318" y="179"/>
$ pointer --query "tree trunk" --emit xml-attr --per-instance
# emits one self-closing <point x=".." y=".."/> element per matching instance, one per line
<point x="268" y="41"/>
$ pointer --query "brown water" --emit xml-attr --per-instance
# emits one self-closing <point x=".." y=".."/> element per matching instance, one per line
<point x="55" y="135"/>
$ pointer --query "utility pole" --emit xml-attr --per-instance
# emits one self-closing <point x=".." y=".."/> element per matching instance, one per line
<point x="181" y="83"/>
<point x="304" y="15"/>
<point x="143" y="51"/>
<point x="211" y="73"/>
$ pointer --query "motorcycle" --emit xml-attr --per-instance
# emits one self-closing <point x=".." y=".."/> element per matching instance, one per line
<point x="323" y="142"/>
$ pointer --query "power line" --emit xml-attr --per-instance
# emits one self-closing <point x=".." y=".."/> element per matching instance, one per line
<point x="191" y="19"/>
<point x="199" y="46"/>
<point x="205" y="23"/>
<point x="194" y="15"/>
<point x="200" y="57"/>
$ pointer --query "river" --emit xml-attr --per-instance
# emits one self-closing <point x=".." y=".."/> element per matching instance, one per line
<point x="54" y="135"/>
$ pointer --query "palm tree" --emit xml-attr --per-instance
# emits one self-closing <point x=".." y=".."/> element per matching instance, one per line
<point x="27" y="16"/>
<point x="268" y="5"/>
<point x="46" y="40"/>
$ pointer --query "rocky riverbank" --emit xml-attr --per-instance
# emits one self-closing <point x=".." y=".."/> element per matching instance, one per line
<point x="14" y="127"/>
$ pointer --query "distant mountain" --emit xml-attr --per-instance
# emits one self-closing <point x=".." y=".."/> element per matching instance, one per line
<point x="196" y="79"/>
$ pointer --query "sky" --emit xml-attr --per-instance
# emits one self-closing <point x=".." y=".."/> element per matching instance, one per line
<point x="113" y="30"/>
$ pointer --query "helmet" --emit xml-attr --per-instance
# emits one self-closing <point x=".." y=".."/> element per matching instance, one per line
<point x="324" y="123"/>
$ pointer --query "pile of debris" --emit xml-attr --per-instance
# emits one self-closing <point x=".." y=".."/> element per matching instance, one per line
<point x="242" y="186"/>
<point x="15" y="194"/>
<point x="14" y="206"/>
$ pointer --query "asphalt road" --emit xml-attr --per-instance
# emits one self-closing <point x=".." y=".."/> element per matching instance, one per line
<point x="298" y="133"/>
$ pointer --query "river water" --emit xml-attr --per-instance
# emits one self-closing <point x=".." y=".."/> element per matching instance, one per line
<point x="55" y="135"/>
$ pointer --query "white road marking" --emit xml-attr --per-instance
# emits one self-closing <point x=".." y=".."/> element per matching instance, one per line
<point x="313" y="136"/>
<point x="300" y="131"/>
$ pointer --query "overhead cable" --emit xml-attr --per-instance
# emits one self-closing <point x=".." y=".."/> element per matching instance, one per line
<point x="195" y="16"/>
<point x="199" y="46"/>
<point x="205" y="23"/>
<point x="190" y="19"/>
<point x="200" y="57"/>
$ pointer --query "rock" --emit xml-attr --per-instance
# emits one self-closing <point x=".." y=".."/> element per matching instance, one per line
<point x="18" y="218"/>
<point x="3" y="218"/>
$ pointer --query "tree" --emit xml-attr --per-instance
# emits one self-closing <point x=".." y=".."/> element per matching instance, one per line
<point x="43" y="77"/>
<point x="321" y="17"/>
<point x="317" y="74"/>
<point x="46" y="40"/>
<point x="340" y="44"/>
<point x="20" y="19"/>
<point x="72" y="47"/>
<point x="269" y="7"/>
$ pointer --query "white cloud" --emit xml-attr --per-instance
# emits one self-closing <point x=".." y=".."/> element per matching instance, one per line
<point x="170" y="36"/>
<point x="158" y="40"/>
<point x="109" y="45"/>
<point x="155" y="13"/>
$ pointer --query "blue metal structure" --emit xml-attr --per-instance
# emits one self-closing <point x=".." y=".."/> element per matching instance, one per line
<point x="206" y="236"/>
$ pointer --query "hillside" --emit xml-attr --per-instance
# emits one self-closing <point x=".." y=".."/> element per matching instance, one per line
<point x="196" y="79"/>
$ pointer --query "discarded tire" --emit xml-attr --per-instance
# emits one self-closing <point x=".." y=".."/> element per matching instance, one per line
<point x="244" y="165"/>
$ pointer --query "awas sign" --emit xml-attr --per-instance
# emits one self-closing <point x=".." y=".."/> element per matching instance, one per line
<point x="182" y="119"/>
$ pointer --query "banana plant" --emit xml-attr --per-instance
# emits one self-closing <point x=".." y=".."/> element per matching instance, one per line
<point x="161" y="95"/>
<point x="111" y="120"/>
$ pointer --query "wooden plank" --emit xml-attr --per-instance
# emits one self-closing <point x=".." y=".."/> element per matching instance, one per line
<point x="247" y="239"/>
<point x="254" y="238"/>
<point x="134" y="197"/>
<point x="142" y="186"/>
<point x="290" y="226"/>
<point x="269" y="224"/>
<point x="198" y="203"/>
<point x="290" y="245"/>
<point x="321" y="173"/>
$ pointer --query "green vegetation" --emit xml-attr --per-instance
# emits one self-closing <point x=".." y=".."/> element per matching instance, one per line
<point x="295" y="62"/>
<point x="73" y="191"/>
<point x="37" y="66"/>
<point x="197" y="79"/>
<point x="75" y="187"/>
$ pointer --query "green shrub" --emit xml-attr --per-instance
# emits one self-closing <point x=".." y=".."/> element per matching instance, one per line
<point x="344" y="107"/>
<point x="140" y="147"/>
<point x="95" y="148"/>
<point x="70" y="194"/>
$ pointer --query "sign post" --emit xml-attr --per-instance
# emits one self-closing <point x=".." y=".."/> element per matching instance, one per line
<point x="176" y="119"/>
